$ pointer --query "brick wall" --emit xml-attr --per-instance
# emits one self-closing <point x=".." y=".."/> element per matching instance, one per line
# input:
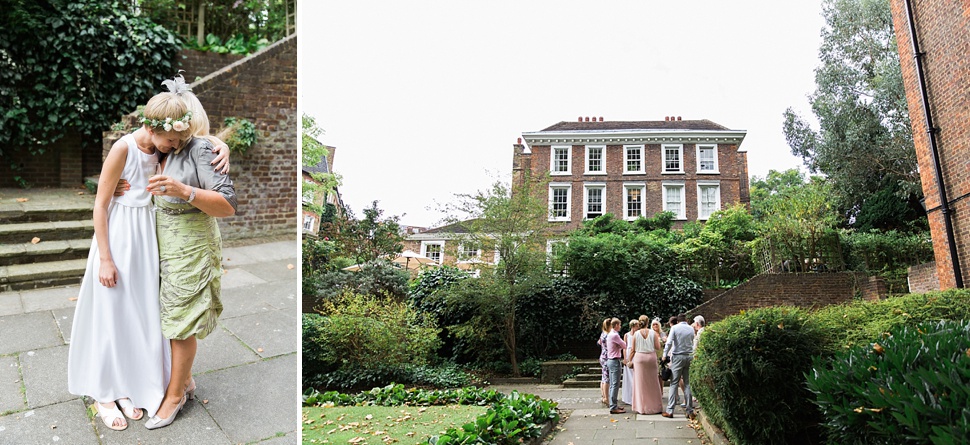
<point x="732" y="167"/>
<point x="198" y="64"/>
<point x="943" y="33"/>
<point x="59" y="165"/>
<point x="922" y="278"/>
<point x="804" y="290"/>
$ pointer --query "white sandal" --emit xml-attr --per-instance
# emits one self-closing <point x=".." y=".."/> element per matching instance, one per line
<point x="109" y="415"/>
<point x="129" y="409"/>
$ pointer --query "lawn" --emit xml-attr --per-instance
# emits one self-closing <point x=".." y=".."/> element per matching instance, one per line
<point x="374" y="425"/>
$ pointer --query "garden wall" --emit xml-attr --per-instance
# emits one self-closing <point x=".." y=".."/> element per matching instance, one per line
<point x="804" y="290"/>
<point x="923" y="278"/>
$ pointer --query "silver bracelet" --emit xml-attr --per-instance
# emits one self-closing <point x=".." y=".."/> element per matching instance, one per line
<point x="191" y="195"/>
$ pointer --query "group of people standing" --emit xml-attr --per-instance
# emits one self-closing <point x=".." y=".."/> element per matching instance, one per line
<point x="638" y="357"/>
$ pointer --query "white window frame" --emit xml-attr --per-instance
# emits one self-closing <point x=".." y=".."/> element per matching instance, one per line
<point x="569" y="198"/>
<point x="627" y="186"/>
<point x="462" y="257"/>
<point x="308" y="196"/>
<point x="549" y="245"/>
<point x="643" y="160"/>
<point x="700" y="171"/>
<point x="552" y="160"/>
<point x="601" y="186"/>
<point x="441" y="244"/>
<point x="602" y="170"/>
<point x="683" y="198"/>
<point x="717" y="206"/>
<point x="309" y="219"/>
<point x="663" y="158"/>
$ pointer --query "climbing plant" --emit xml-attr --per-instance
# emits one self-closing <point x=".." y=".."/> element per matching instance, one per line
<point x="75" y="65"/>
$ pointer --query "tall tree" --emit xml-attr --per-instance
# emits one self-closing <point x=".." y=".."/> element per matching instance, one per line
<point x="372" y="237"/>
<point x="513" y="223"/>
<point x="864" y="143"/>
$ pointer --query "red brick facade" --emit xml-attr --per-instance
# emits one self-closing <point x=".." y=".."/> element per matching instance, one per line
<point x="943" y="34"/>
<point x="614" y="139"/>
<point x="923" y="278"/>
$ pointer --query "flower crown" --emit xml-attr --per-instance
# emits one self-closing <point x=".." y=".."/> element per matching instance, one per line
<point x="169" y="124"/>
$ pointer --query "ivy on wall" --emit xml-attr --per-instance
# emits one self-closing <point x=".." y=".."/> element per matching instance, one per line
<point x="78" y="64"/>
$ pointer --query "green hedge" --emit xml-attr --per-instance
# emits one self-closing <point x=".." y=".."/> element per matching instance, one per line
<point x="742" y="375"/>
<point x="751" y="379"/>
<point x="911" y="387"/>
<point x="511" y="419"/>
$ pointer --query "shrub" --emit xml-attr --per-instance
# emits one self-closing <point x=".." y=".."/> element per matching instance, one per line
<point x="515" y="419"/>
<point x="363" y="331"/>
<point x="395" y="394"/>
<point x="861" y="322"/>
<point x="239" y="134"/>
<point x="315" y="360"/>
<point x="910" y="387"/>
<point x="746" y="374"/>
<point x="352" y="378"/>
<point x="378" y="277"/>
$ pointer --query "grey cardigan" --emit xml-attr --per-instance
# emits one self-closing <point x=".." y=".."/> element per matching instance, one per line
<point x="190" y="166"/>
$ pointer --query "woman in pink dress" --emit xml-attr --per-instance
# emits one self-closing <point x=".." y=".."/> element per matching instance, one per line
<point x="647" y="392"/>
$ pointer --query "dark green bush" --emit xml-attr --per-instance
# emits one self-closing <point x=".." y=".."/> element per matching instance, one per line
<point x="515" y="419"/>
<point x="747" y="376"/>
<point x="315" y="360"/>
<point x="395" y="394"/>
<point x="911" y="387"/>
<point x="352" y="378"/>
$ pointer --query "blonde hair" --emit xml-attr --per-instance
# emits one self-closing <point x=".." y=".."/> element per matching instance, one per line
<point x="164" y="106"/>
<point x="199" y="125"/>
<point x="633" y="323"/>
<point x="606" y="325"/>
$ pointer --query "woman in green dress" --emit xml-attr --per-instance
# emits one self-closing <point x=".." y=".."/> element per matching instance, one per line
<point x="189" y="195"/>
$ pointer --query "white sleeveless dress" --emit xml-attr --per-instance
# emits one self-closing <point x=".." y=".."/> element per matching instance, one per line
<point x="117" y="348"/>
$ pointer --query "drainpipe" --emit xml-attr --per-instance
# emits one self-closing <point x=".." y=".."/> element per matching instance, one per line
<point x="931" y="131"/>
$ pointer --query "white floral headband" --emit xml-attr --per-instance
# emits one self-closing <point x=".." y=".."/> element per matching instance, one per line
<point x="178" y="86"/>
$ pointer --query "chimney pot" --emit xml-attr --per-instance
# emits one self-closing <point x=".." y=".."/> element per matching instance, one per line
<point x="587" y="118"/>
<point x="678" y="117"/>
<point x="580" y="119"/>
<point x="601" y="118"/>
<point x="666" y="118"/>
<point x="519" y="141"/>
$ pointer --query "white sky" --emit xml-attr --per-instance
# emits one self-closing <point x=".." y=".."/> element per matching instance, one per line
<point x="424" y="99"/>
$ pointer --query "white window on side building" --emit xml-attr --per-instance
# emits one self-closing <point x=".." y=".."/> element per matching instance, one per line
<point x="708" y="199"/>
<point x="707" y="158"/>
<point x="674" y="199"/>
<point x="595" y="160"/>
<point x="560" y="196"/>
<point x="594" y="200"/>
<point x="673" y="158"/>
<point x="561" y="160"/>
<point x="308" y="222"/>
<point x="433" y="250"/>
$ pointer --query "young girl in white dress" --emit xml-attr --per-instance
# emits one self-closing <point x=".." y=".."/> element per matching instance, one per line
<point x="118" y="355"/>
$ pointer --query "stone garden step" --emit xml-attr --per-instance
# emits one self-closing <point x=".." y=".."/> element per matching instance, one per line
<point x="24" y="232"/>
<point x="31" y="253"/>
<point x="589" y="377"/>
<point x="573" y="383"/>
<point x="44" y="274"/>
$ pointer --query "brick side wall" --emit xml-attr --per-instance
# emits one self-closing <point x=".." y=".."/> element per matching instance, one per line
<point x="804" y="290"/>
<point x="59" y="165"/>
<point x="198" y="64"/>
<point x="943" y="33"/>
<point x="922" y="278"/>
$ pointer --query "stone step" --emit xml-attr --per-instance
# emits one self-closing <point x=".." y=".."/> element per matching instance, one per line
<point x="24" y="232"/>
<point x="57" y="250"/>
<point x="573" y="383"/>
<point x="45" y="274"/>
<point x="589" y="377"/>
<point x="39" y="213"/>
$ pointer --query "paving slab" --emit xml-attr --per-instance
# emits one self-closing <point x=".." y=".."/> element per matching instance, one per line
<point x="49" y="299"/>
<point x="221" y="350"/>
<point x="64" y="318"/>
<point x="192" y="426"/>
<point x="45" y="376"/>
<point x="287" y="439"/>
<point x="269" y="334"/>
<point x="274" y="271"/>
<point x="11" y="385"/>
<point x="10" y="304"/>
<point x="234" y="278"/>
<point x="25" y="332"/>
<point x="251" y="299"/>
<point x="260" y="253"/>
<point x="267" y="407"/>
<point x="61" y="423"/>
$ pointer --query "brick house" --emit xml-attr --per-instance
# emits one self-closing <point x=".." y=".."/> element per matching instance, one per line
<point x="448" y="245"/>
<point x="312" y="202"/>
<point x="936" y="95"/>
<point x="631" y="169"/>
